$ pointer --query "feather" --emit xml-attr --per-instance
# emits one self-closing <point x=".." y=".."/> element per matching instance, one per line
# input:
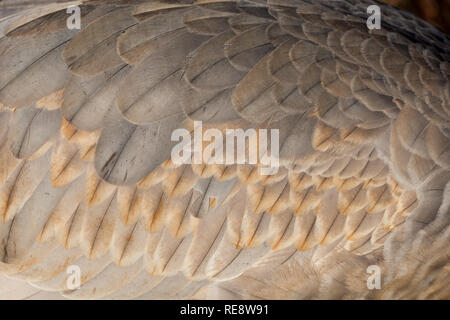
<point x="253" y="229"/>
<point x="316" y="33"/>
<point x="309" y="82"/>
<point x="219" y="5"/>
<point x="155" y="216"/>
<point x="394" y="64"/>
<point x="141" y="40"/>
<point x="353" y="109"/>
<point x="182" y="212"/>
<point x="243" y="22"/>
<point x="335" y="86"/>
<point x="43" y="200"/>
<point x="411" y="129"/>
<point x="209" y="61"/>
<point x="281" y="230"/>
<point x="433" y="81"/>
<point x="372" y="100"/>
<point x="379" y="199"/>
<point x="306" y="200"/>
<point x="290" y="99"/>
<point x="40" y="21"/>
<point x="408" y="202"/>
<point x="21" y="184"/>
<point x="371" y="51"/>
<point x="32" y="69"/>
<point x="251" y="97"/>
<point x="323" y="135"/>
<point x="265" y="198"/>
<point x="291" y="23"/>
<point x="207" y="237"/>
<point x="153" y="178"/>
<point x="66" y="164"/>
<point x="169" y="255"/>
<point x="363" y="123"/>
<point x="372" y="169"/>
<point x="128" y="157"/>
<point x="306" y="237"/>
<point x="276" y="35"/>
<point x="137" y="287"/>
<point x="98" y="228"/>
<point x="97" y="190"/>
<point x="147" y="10"/>
<point x="438" y="146"/>
<point x="330" y="223"/>
<point x="97" y="40"/>
<point x="353" y="168"/>
<point x="360" y="224"/>
<point x="201" y="21"/>
<point x="351" y="43"/>
<point x="248" y="47"/>
<point x="87" y="100"/>
<point x="30" y="129"/>
<point x="399" y="156"/>
<point x="8" y="162"/>
<point x="89" y="268"/>
<point x="228" y="262"/>
<point x="419" y="168"/>
<point x="131" y="201"/>
<point x="352" y="200"/>
<point x="172" y="288"/>
<point x="111" y="279"/>
<point x="67" y="205"/>
<point x="280" y="65"/>
<point x="158" y="73"/>
<point x="179" y="181"/>
<point x="69" y="233"/>
<point x="356" y="135"/>
<point x="58" y="261"/>
<point x="329" y="112"/>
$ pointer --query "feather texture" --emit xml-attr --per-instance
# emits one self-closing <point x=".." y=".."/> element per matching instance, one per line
<point x="86" y="175"/>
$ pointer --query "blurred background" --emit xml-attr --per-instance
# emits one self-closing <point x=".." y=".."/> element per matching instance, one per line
<point x="435" y="11"/>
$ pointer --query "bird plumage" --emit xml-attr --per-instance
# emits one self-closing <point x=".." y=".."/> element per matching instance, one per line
<point x="86" y="177"/>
